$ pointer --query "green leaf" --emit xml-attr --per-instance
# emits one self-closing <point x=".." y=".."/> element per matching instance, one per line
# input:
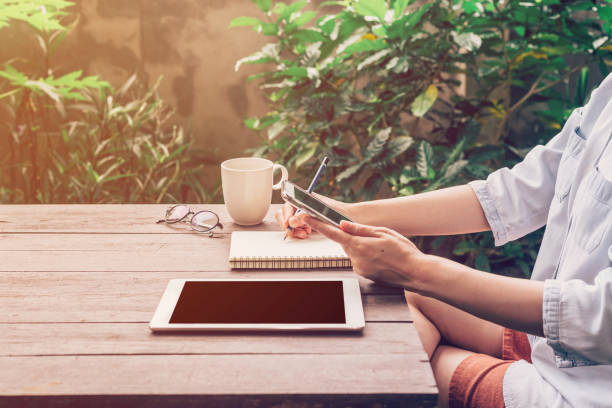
<point x="469" y="41"/>
<point x="257" y="76"/>
<point x="285" y="11"/>
<point x="349" y="172"/>
<point x="437" y="243"/>
<point x="422" y="103"/>
<point x="454" y="154"/>
<point x="605" y="13"/>
<point x="268" y="29"/>
<point x="371" y="8"/>
<point x="372" y="185"/>
<point x="268" y="53"/>
<point x="482" y="263"/>
<point x="402" y="27"/>
<point x="480" y="171"/>
<point x="300" y="21"/>
<point x="453" y="169"/>
<point x="306" y="154"/>
<point x="308" y="36"/>
<point x="297" y="72"/>
<point x="485" y="153"/>
<point x="365" y="45"/>
<point x="398" y="7"/>
<point x="16" y="77"/>
<point x="524" y="267"/>
<point x="463" y="247"/>
<point x="472" y="6"/>
<point x="373" y="58"/>
<point x="327" y="24"/>
<point x="377" y="144"/>
<point x="245" y="22"/>
<point x="520" y="30"/>
<point x="251" y="123"/>
<point x="406" y="191"/>
<point x="424" y="159"/>
<point x="398" y="146"/>
<point x="263" y="5"/>
<point x="93" y="175"/>
<point x="42" y="15"/>
<point x="408" y="175"/>
<point x="44" y="87"/>
<point x="276" y="129"/>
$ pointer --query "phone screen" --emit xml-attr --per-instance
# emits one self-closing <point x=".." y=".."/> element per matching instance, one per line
<point x="318" y="206"/>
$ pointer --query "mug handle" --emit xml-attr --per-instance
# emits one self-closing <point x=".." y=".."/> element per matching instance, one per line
<point x="284" y="175"/>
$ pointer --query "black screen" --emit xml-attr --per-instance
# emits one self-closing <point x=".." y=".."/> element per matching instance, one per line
<point x="260" y="302"/>
<point x="318" y="206"/>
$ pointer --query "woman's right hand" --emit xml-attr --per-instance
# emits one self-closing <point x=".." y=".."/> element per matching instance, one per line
<point x="299" y="228"/>
<point x="285" y="217"/>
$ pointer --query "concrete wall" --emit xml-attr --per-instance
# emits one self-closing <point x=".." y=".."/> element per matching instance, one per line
<point x="188" y="43"/>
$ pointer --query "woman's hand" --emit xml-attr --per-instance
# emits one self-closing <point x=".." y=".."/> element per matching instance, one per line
<point x="285" y="218"/>
<point x="376" y="253"/>
<point x="299" y="227"/>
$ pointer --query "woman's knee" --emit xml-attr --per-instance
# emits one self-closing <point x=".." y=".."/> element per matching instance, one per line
<point x="430" y="308"/>
<point x="426" y="329"/>
<point x="413" y="299"/>
<point x="435" y="320"/>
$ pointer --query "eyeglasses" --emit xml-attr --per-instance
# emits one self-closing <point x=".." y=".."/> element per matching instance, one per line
<point x="201" y="221"/>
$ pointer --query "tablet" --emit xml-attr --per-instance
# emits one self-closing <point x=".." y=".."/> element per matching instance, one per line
<point x="260" y="304"/>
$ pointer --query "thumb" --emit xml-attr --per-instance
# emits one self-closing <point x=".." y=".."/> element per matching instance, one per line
<point x="361" y="230"/>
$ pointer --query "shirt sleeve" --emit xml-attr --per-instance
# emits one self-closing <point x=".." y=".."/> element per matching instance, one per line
<point x="578" y="320"/>
<point x="516" y="201"/>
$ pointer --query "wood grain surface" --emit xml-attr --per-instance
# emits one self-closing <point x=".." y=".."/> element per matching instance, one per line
<point x="111" y="219"/>
<point x="123" y="297"/>
<point x="79" y="284"/>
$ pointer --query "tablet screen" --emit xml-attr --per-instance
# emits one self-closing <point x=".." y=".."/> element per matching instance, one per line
<point x="260" y="302"/>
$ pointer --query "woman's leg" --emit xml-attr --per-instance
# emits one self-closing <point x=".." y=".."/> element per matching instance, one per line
<point x="461" y="334"/>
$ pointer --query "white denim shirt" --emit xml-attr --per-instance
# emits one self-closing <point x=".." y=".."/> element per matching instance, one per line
<point x="567" y="186"/>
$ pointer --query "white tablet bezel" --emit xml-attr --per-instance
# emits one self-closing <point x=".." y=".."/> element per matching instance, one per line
<point x="353" y="309"/>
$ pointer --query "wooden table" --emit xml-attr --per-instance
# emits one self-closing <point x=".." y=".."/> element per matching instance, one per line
<point x="79" y="284"/>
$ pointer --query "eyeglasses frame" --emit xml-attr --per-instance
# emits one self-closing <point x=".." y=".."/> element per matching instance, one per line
<point x="186" y="219"/>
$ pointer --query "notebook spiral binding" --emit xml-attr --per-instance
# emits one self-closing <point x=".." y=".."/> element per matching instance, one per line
<point x="279" y="262"/>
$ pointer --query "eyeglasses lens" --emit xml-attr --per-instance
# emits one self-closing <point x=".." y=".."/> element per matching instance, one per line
<point x="204" y="220"/>
<point x="177" y="213"/>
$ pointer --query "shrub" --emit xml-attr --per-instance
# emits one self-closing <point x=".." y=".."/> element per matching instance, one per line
<point x="380" y="87"/>
<point x="75" y="139"/>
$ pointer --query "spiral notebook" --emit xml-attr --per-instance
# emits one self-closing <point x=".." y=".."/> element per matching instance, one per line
<point x="268" y="250"/>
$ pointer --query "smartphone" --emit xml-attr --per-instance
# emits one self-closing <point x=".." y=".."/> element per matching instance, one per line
<point x="306" y="202"/>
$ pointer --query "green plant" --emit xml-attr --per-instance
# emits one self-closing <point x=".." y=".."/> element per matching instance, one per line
<point x="122" y="148"/>
<point x="33" y="96"/>
<point x="72" y="138"/>
<point x="380" y="86"/>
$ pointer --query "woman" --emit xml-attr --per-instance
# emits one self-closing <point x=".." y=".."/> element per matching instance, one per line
<point x="472" y="324"/>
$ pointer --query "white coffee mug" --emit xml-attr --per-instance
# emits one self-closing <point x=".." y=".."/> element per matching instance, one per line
<point x="247" y="187"/>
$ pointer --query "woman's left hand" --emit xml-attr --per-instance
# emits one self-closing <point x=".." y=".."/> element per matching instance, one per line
<point x="376" y="253"/>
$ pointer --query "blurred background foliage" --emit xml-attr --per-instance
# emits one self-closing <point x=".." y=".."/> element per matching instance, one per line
<point x="69" y="138"/>
<point x="409" y="96"/>
<point x="404" y="96"/>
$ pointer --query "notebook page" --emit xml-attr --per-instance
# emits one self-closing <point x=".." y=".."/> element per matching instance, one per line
<point x="270" y="244"/>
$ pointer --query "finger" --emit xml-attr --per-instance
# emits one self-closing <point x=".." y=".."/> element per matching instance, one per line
<point x="298" y="221"/>
<point x="331" y="232"/>
<point x="288" y="211"/>
<point x="281" y="221"/>
<point x="308" y="228"/>
<point x="361" y="230"/>
<point x="299" y="233"/>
